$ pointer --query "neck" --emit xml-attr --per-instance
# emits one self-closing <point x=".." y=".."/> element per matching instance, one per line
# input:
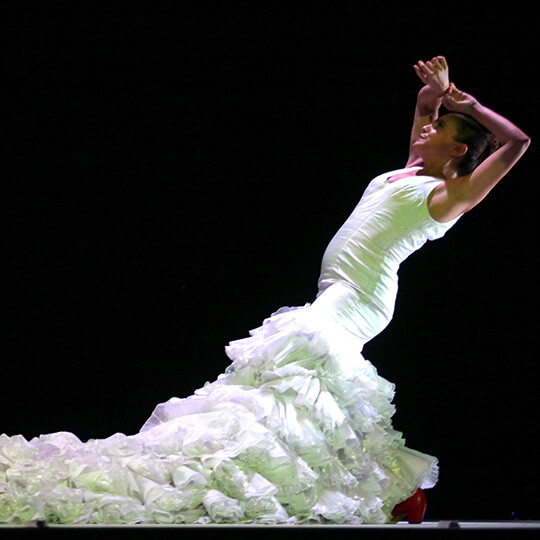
<point x="444" y="169"/>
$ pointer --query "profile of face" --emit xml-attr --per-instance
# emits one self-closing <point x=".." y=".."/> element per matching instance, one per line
<point x="439" y="140"/>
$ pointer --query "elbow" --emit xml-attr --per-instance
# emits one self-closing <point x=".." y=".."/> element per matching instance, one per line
<point x="520" y="143"/>
<point x="523" y="141"/>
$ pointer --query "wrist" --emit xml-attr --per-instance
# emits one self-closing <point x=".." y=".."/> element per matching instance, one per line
<point x="429" y="93"/>
<point x="472" y="108"/>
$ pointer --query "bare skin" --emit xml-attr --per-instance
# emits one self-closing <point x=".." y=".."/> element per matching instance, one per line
<point x="434" y="148"/>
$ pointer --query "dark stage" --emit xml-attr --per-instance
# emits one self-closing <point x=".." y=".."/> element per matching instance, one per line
<point x="172" y="176"/>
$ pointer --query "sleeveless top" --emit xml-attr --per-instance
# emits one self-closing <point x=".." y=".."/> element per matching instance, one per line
<point x="390" y="222"/>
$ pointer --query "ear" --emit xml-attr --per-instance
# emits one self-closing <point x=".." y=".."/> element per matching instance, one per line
<point x="459" y="149"/>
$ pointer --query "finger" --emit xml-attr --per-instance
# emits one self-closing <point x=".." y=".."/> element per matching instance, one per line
<point x="420" y="74"/>
<point x="449" y="99"/>
<point x="425" y="67"/>
<point x="441" y="63"/>
<point x="436" y="64"/>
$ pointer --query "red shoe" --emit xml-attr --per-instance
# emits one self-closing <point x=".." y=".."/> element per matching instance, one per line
<point x="414" y="508"/>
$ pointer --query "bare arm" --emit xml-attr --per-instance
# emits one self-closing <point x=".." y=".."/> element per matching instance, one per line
<point x="434" y="74"/>
<point x="464" y="193"/>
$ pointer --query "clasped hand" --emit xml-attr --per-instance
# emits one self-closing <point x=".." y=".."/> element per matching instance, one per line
<point x="434" y="74"/>
<point x="457" y="101"/>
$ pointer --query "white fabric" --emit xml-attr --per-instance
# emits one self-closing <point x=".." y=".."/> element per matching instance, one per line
<point x="297" y="429"/>
<point x="389" y="223"/>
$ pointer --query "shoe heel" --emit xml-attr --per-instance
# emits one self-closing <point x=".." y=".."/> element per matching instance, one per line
<point x="414" y="508"/>
<point x="416" y="515"/>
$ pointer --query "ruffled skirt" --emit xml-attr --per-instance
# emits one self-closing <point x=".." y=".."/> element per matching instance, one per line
<point x="298" y="429"/>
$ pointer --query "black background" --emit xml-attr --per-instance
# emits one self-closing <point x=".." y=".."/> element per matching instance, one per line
<point x="172" y="176"/>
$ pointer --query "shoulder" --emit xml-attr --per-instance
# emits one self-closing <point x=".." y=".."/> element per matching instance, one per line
<point x="448" y="200"/>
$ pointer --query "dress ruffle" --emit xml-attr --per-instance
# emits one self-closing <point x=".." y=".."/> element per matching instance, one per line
<point x="297" y="429"/>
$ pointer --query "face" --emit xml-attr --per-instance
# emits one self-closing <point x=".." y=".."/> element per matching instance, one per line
<point x="439" y="138"/>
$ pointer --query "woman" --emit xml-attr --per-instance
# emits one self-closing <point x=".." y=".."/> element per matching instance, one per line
<point x="298" y="428"/>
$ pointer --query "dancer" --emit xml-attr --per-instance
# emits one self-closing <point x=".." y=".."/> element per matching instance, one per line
<point x="298" y="428"/>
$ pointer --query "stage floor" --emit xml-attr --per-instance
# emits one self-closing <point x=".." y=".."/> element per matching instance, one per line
<point x="447" y="524"/>
<point x="360" y="531"/>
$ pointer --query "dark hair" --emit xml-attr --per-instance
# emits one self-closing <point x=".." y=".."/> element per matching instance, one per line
<point x="480" y="143"/>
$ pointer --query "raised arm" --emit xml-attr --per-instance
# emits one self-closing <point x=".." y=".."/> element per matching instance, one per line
<point x="435" y="76"/>
<point x="463" y="193"/>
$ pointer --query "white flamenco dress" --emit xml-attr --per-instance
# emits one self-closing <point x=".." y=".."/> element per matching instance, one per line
<point x="298" y="428"/>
